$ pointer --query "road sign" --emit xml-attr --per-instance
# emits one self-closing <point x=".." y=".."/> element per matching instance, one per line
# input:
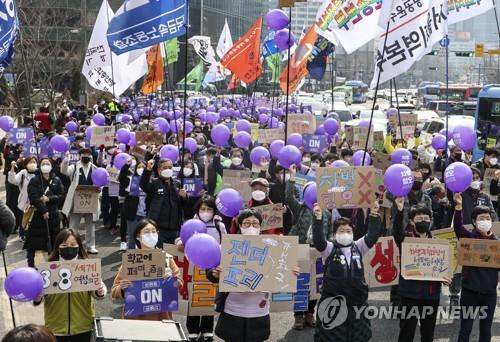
<point x="494" y="52"/>
<point x="444" y="42"/>
<point x="479" y="49"/>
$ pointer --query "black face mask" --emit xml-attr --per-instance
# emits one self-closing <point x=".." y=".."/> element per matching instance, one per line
<point x="422" y="227"/>
<point x="457" y="156"/>
<point x="68" y="253"/>
<point x="417" y="185"/>
<point x="85" y="160"/>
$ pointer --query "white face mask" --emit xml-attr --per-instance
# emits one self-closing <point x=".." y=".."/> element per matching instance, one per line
<point x="206" y="216"/>
<point x="484" y="226"/>
<point x="236" y="161"/>
<point x="344" y="239"/>
<point x="133" y="164"/>
<point x="46" y="168"/>
<point x="258" y="195"/>
<point x="150" y="240"/>
<point x="250" y="231"/>
<point x="314" y="166"/>
<point x="167" y="173"/>
<point x="140" y="171"/>
<point x="493" y="161"/>
<point x="476" y="185"/>
<point x="187" y="172"/>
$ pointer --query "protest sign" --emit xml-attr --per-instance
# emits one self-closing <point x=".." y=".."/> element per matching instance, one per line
<point x="138" y="152"/>
<point x="359" y="137"/>
<point x="489" y="175"/>
<point x="140" y="264"/>
<point x="381" y="263"/>
<point x="301" y="123"/>
<point x="449" y="235"/>
<point x="151" y="296"/>
<point x="238" y="180"/>
<point x="381" y="161"/>
<point x="38" y="149"/>
<point x="102" y="135"/>
<point x="272" y="215"/>
<point x="70" y="276"/>
<point x="314" y="143"/>
<point x="479" y="253"/>
<point x="345" y="187"/>
<point x="378" y="141"/>
<point x="300" y="183"/>
<point x="74" y="157"/>
<point x="349" y="134"/>
<point x="267" y="136"/>
<point x="20" y="135"/>
<point x="426" y="259"/>
<point x="193" y="186"/>
<point x="86" y="200"/>
<point x="149" y="138"/>
<point x="254" y="133"/>
<point x="408" y="124"/>
<point x="317" y="272"/>
<point x="258" y="263"/>
<point x="141" y="101"/>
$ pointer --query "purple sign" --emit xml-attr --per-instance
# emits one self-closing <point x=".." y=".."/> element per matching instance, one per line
<point x="20" y="135"/>
<point x="151" y="296"/>
<point x="314" y="143"/>
<point x="30" y="148"/>
<point x="193" y="186"/>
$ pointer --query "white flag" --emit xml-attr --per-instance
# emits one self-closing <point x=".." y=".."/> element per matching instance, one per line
<point x="225" y="41"/>
<point x="203" y="47"/>
<point x="411" y="36"/>
<point x="463" y="10"/>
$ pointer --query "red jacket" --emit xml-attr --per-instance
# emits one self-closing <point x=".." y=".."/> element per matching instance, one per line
<point x="271" y="231"/>
<point x="44" y="122"/>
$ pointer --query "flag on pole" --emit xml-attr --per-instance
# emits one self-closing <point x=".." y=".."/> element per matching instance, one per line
<point x="462" y="10"/>
<point x="233" y="83"/>
<point x="298" y="62"/>
<point x="171" y="51"/>
<point x="139" y="24"/>
<point x="194" y="76"/>
<point x="410" y="37"/>
<point x="214" y="74"/>
<point x="203" y="47"/>
<point x="225" y="41"/>
<point x="155" y="76"/>
<point x="243" y="59"/>
<point x="318" y="58"/>
<point x="274" y="63"/>
<point x="9" y="27"/>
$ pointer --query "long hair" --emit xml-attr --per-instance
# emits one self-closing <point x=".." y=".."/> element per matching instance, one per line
<point x="63" y="236"/>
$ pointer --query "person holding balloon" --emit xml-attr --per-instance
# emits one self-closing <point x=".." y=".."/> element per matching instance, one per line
<point x="70" y="316"/>
<point x="45" y="193"/>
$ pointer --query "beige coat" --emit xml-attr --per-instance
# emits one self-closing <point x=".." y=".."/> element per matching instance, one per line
<point x="72" y="171"/>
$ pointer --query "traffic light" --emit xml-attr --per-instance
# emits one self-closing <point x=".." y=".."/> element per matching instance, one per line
<point x="464" y="54"/>
<point x="433" y="53"/>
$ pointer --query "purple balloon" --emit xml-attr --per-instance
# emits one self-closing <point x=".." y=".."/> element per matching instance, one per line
<point x="464" y="137"/>
<point x="203" y="250"/>
<point x="99" y="119"/>
<point x="100" y="176"/>
<point x="294" y="139"/>
<point x="331" y="126"/>
<point x="176" y="126"/>
<point x="340" y="163"/>
<point x="391" y="112"/>
<point x="320" y="130"/>
<point x="243" y="125"/>
<point x="364" y="123"/>
<point x="88" y="133"/>
<point x="120" y="160"/>
<point x="122" y="147"/>
<point x="178" y="114"/>
<point x="448" y="135"/>
<point x="263" y="118"/>
<point x="258" y="153"/>
<point x="23" y="284"/>
<point x="59" y="143"/>
<point x="439" y="142"/>
<point x="357" y="158"/>
<point x="191" y="227"/>
<point x="242" y="139"/>
<point x="169" y="152"/>
<point x="71" y="126"/>
<point x="161" y="125"/>
<point x="281" y="125"/>
<point x="220" y="135"/>
<point x="292" y="108"/>
<point x="223" y="112"/>
<point x="191" y="144"/>
<point x="188" y="128"/>
<point x="126" y="118"/>
<point x="458" y="177"/>
<point x="273" y="123"/>
<point x="133" y="140"/>
<point x="123" y="136"/>
<point x="278" y="112"/>
<point x="263" y="110"/>
<point x="276" y="19"/>
<point x="212" y="118"/>
<point x="402" y="156"/>
<point x="310" y="194"/>
<point x="6" y="123"/>
<point x="283" y="39"/>
<point x="211" y="108"/>
<point x="398" y="180"/>
<point x="229" y="202"/>
<point x="276" y="147"/>
<point x="289" y="155"/>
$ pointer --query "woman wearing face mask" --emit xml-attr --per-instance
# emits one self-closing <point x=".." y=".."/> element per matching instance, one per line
<point x="70" y="316"/>
<point x="244" y="316"/>
<point x="473" y="197"/>
<point x="146" y="237"/>
<point x="479" y="284"/>
<point x="45" y="192"/>
<point x="344" y="273"/>
<point x="237" y="160"/>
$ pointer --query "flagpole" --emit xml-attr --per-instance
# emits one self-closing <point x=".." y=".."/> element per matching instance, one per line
<point x="399" y="114"/>
<point x="390" y="93"/>
<point x="185" y="93"/>
<point x="333" y="78"/>
<point x="111" y="56"/>
<point x="287" y="85"/>
<point x="447" y="56"/>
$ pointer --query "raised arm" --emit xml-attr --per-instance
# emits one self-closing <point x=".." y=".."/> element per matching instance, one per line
<point x="290" y="192"/>
<point x="398" y="229"/>
<point x="145" y="183"/>
<point x="458" y="225"/>
<point x="374" y="226"/>
<point x="319" y="239"/>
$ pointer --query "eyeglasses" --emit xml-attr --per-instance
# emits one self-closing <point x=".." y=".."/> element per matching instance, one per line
<point x="248" y="224"/>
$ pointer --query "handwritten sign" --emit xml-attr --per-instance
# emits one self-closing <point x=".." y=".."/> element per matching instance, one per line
<point x="102" y="135"/>
<point x="151" y="296"/>
<point x="359" y="137"/>
<point x="426" y="259"/>
<point x="238" y="180"/>
<point x="449" y="235"/>
<point x="143" y="264"/>
<point x="258" y="263"/>
<point x="70" y="276"/>
<point x="489" y="175"/>
<point x="272" y="215"/>
<point x="193" y="186"/>
<point x="381" y="161"/>
<point x="314" y="143"/>
<point x="381" y="263"/>
<point x="20" y="135"/>
<point x="86" y="200"/>
<point x="479" y="253"/>
<point x="346" y="187"/>
<point x="301" y="123"/>
<point x="267" y="136"/>
<point x="378" y="141"/>
<point x="149" y="138"/>
<point x="408" y="123"/>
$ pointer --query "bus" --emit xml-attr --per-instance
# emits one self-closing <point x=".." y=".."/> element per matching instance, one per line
<point x="460" y="92"/>
<point x="427" y="91"/>
<point x="359" y="90"/>
<point x="487" y="120"/>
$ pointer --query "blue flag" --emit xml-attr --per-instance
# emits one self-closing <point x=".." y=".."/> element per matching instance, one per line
<point x="269" y="47"/>
<point x="317" y="60"/>
<point x="137" y="27"/>
<point x="9" y="26"/>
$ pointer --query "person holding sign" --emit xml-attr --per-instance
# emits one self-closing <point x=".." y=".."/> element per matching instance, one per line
<point x="146" y="237"/>
<point x="417" y="294"/>
<point x="479" y="284"/>
<point x="70" y="316"/>
<point x="344" y="282"/>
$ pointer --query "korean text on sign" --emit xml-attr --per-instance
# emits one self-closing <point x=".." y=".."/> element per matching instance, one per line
<point x="138" y="264"/>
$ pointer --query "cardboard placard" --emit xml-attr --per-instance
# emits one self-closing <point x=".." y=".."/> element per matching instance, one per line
<point x="151" y="296"/>
<point x="272" y="215"/>
<point x="381" y="263"/>
<point x="426" y="259"/>
<point x="193" y="186"/>
<point x="408" y="123"/>
<point x="70" y="276"/>
<point x="359" y="137"/>
<point x="449" y="235"/>
<point x="238" y="180"/>
<point x="345" y="187"/>
<point x="258" y="263"/>
<point x="138" y="152"/>
<point x="378" y="141"/>
<point x="149" y="138"/>
<point x="267" y="136"/>
<point x="254" y="132"/>
<point x="489" y="175"/>
<point x="140" y="264"/>
<point x="86" y="199"/>
<point x="479" y="253"/>
<point x="314" y="143"/>
<point x="301" y="123"/>
<point x="349" y="134"/>
<point x="300" y="183"/>
<point x="102" y="135"/>
<point x="317" y="273"/>
<point x="381" y="161"/>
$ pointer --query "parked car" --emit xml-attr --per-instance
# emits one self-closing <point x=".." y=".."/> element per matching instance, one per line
<point x="432" y="126"/>
<point x="424" y="116"/>
<point x="440" y="107"/>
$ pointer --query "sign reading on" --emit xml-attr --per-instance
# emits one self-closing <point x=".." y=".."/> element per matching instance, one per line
<point x="479" y="253"/>
<point x="102" y="135"/>
<point x="193" y="186"/>
<point x="86" y="200"/>
<point x="151" y="296"/>
<point x="272" y="215"/>
<point x="148" y="138"/>
<point x="20" y="135"/>
<point x="381" y="263"/>
<point x="70" y="276"/>
<point x="426" y="259"/>
<point x="314" y="143"/>
<point x="258" y="263"/>
<point x="143" y="264"/>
